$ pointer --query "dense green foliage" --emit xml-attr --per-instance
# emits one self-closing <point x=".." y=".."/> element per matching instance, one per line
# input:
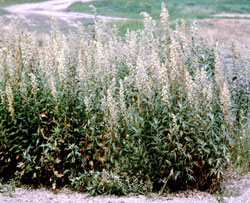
<point x="150" y="112"/>
<point x="240" y="90"/>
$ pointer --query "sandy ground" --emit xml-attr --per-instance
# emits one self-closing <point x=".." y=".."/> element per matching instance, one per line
<point x="33" y="13"/>
<point x="236" y="190"/>
<point x="66" y="196"/>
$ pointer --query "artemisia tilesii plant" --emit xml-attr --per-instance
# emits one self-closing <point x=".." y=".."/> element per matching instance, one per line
<point x="148" y="112"/>
<point x="239" y="74"/>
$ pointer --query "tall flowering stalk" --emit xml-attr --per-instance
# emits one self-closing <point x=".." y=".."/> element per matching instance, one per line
<point x="165" y="22"/>
<point x="10" y="97"/>
<point x="223" y="88"/>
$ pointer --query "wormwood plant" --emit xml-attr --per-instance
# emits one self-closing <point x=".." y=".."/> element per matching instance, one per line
<point x="105" y="114"/>
<point x="239" y="77"/>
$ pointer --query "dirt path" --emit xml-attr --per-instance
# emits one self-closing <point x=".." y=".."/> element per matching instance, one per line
<point x="58" y="8"/>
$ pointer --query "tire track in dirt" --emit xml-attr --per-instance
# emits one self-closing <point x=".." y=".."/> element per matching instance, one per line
<point x="57" y="8"/>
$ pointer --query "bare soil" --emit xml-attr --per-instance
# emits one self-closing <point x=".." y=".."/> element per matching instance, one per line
<point x="236" y="190"/>
<point x="227" y="31"/>
<point x="67" y="196"/>
<point x="232" y="15"/>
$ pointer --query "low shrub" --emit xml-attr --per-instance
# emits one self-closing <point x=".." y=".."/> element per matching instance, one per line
<point x="111" y="115"/>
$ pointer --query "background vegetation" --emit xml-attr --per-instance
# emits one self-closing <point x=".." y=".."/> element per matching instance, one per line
<point x="178" y="9"/>
<point x="186" y="9"/>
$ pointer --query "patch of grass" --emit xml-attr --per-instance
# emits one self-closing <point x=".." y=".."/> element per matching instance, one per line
<point x="123" y="26"/>
<point x="9" y="189"/>
<point x="131" y="25"/>
<point x="2" y="11"/>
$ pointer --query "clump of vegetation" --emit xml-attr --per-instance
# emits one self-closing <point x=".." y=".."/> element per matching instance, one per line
<point x="107" y="115"/>
<point x="239" y="77"/>
<point x="7" y="189"/>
